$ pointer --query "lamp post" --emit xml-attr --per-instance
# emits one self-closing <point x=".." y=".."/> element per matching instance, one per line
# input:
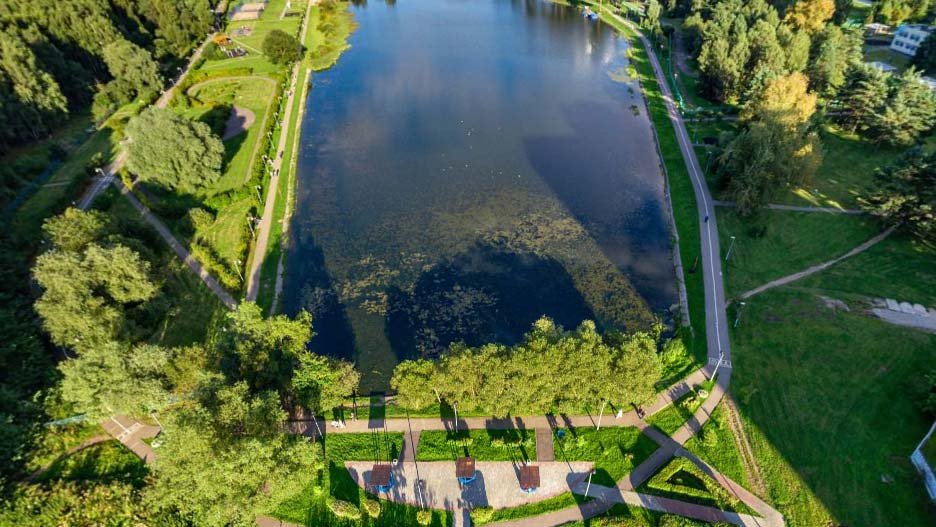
<point x="730" y="246"/>
<point x="259" y="196"/>
<point x="721" y="357"/>
<point x="737" y="319"/>
<point x="237" y="264"/>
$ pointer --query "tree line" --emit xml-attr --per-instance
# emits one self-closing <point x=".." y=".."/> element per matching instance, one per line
<point x="550" y="371"/>
<point x="792" y="67"/>
<point x="56" y="58"/>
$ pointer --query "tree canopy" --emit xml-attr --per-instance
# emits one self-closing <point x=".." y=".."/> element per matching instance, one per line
<point x="173" y="151"/>
<point x="551" y="370"/>
<point x="776" y="147"/>
<point x="281" y="48"/>
<point x="906" y="194"/>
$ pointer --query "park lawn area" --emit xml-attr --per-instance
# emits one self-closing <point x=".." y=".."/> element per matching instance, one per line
<point x="614" y="450"/>
<point x="671" y="418"/>
<point x="715" y="445"/>
<point x="255" y="94"/>
<point x="900" y="267"/>
<point x="826" y="401"/>
<point x="330" y="26"/>
<point x="847" y="171"/>
<point x="483" y="445"/>
<point x="875" y="53"/>
<point x="779" y="243"/>
<point x="269" y="20"/>
<point x="304" y="498"/>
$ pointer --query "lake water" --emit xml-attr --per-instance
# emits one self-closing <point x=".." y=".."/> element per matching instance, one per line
<point x="467" y="167"/>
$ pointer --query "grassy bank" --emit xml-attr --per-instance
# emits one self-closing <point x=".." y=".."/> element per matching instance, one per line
<point x="615" y="451"/>
<point x="483" y="445"/>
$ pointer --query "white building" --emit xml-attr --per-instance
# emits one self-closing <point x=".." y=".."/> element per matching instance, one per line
<point x="909" y="37"/>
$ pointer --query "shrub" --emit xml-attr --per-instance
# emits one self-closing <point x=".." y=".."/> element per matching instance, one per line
<point x="482" y="515"/>
<point x="371" y="507"/>
<point x="424" y="517"/>
<point x="343" y="509"/>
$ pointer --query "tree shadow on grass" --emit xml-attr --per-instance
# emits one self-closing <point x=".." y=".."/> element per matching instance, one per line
<point x="486" y="294"/>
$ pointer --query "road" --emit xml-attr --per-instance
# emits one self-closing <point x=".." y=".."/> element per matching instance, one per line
<point x="108" y="173"/>
<point x="266" y="221"/>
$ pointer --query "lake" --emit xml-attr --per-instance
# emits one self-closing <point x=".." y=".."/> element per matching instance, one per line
<point x="467" y="167"/>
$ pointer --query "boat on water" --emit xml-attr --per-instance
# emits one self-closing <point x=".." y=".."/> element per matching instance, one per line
<point x="589" y="14"/>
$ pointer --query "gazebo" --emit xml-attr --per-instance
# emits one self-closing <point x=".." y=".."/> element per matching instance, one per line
<point x="381" y="478"/>
<point x="465" y="470"/>
<point x="529" y="478"/>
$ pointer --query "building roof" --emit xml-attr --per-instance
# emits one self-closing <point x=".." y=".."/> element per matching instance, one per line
<point x="529" y="477"/>
<point x="916" y="27"/>
<point x="380" y="476"/>
<point x="464" y="467"/>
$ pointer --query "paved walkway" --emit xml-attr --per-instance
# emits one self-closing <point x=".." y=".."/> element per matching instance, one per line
<point x="132" y="433"/>
<point x="545" y="451"/>
<point x="799" y="208"/>
<point x="176" y="246"/>
<point x="266" y="221"/>
<point x="418" y="424"/>
<point x="818" y="267"/>
<point x="497" y="484"/>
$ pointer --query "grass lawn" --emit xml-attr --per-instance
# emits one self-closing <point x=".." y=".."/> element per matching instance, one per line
<point x="886" y="54"/>
<point x="824" y="396"/>
<point x="535" y="509"/>
<point x="847" y="171"/>
<point x="100" y="463"/>
<point x="255" y="94"/>
<point x="615" y="451"/>
<point x="779" y="243"/>
<point x="899" y="267"/>
<point x="483" y="445"/>
<point x="715" y="445"/>
<point x="671" y="418"/>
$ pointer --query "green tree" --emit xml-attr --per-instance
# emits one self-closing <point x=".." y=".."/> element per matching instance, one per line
<point x="113" y="379"/>
<point x="414" y="384"/>
<point x="89" y="504"/>
<point x="74" y="229"/>
<point x="173" y="151"/>
<point x="925" y="58"/>
<point x="776" y="148"/>
<point x="906" y="194"/>
<point x="322" y="383"/>
<point x="654" y="9"/>
<point x="835" y="51"/>
<point x="31" y="101"/>
<point x="909" y="112"/>
<point x="219" y="451"/>
<point x="262" y="352"/>
<point x="85" y="292"/>
<point x="281" y="48"/>
<point x="133" y="67"/>
<point x="862" y="97"/>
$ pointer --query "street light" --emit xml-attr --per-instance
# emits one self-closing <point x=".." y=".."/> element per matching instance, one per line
<point x="721" y="357"/>
<point x="237" y="264"/>
<point x="737" y="319"/>
<point x="259" y="195"/>
<point x="730" y="246"/>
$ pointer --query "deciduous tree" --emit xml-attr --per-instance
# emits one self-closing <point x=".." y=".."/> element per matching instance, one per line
<point x="173" y="151"/>
<point x="906" y="194"/>
<point x="281" y="48"/>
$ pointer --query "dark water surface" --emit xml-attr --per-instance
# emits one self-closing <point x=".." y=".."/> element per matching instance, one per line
<point x="467" y="167"/>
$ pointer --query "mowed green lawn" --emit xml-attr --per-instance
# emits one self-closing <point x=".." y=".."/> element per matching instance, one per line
<point x="615" y="451"/>
<point x="254" y="94"/>
<point x="483" y="445"/>
<point x="781" y="242"/>
<point x="825" y="399"/>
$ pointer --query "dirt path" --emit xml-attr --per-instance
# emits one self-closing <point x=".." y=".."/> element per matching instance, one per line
<point x="799" y="208"/>
<point x="177" y="247"/>
<point x="751" y="468"/>
<point x="818" y="267"/>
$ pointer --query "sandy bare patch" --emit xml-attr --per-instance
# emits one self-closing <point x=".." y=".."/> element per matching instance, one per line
<point x="240" y="120"/>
